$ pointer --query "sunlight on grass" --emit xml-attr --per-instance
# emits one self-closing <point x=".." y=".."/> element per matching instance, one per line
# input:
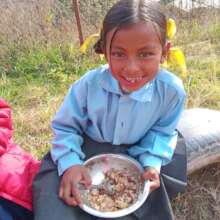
<point x="34" y="82"/>
<point x="37" y="67"/>
<point x="192" y="204"/>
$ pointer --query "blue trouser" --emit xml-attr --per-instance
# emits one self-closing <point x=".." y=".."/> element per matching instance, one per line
<point x="11" y="211"/>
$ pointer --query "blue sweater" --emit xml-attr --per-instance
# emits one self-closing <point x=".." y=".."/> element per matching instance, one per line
<point x="96" y="106"/>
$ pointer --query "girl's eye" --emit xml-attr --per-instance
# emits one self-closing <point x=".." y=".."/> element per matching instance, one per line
<point x="117" y="54"/>
<point x="145" y="54"/>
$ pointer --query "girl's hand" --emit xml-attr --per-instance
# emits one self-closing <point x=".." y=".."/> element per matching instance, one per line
<point x="69" y="191"/>
<point x="153" y="176"/>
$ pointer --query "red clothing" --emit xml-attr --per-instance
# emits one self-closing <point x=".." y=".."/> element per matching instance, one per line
<point x="17" y="167"/>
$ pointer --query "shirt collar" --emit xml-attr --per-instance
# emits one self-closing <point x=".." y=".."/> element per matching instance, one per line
<point x="109" y="83"/>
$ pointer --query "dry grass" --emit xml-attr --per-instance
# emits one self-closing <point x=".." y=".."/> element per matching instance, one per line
<point x="202" y="198"/>
<point x="45" y="22"/>
<point x="32" y="119"/>
<point x="30" y="22"/>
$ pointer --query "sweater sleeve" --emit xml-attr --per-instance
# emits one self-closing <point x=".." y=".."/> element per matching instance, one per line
<point x="156" y="148"/>
<point x="5" y="126"/>
<point x="68" y="125"/>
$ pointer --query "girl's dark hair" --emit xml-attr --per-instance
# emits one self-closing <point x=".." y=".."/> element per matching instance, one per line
<point x="127" y="12"/>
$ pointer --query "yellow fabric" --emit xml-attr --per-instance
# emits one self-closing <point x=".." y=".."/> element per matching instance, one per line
<point x="171" y="28"/>
<point x="88" y="41"/>
<point x="175" y="55"/>
<point x="175" y="58"/>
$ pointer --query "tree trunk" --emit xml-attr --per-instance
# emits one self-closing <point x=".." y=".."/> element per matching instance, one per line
<point x="78" y="22"/>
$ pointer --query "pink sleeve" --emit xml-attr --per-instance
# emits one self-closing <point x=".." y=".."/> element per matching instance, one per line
<point x="5" y="126"/>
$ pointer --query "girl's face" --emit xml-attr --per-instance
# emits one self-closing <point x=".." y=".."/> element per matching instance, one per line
<point x="134" y="55"/>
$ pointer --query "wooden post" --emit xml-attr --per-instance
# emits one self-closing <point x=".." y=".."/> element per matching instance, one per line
<point x="78" y="22"/>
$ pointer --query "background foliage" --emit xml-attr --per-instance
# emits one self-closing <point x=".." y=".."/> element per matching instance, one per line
<point x="39" y="59"/>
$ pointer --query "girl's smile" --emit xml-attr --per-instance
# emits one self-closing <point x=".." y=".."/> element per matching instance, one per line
<point x="129" y="84"/>
<point x="135" y="54"/>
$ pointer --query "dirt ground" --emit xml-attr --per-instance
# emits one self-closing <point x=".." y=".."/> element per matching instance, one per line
<point x="201" y="201"/>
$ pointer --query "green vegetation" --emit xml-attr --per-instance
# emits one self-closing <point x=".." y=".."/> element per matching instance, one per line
<point x="36" y="79"/>
<point x="36" y="69"/>
<point x="34" y="82"/>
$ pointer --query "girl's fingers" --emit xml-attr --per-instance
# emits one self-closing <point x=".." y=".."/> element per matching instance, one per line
<point x="154" y="185"/>
<point x="154" y="182"/>
<point x="67" y="196"/>
<point x="146" y="176"/>
<point x="76" y="194"/>
<point x="61" y="192"/>
<point x="86" y="179"/>
<point x="69" y="191"/>
<point x="149" y="176"/>
<point x="154" y="179"/>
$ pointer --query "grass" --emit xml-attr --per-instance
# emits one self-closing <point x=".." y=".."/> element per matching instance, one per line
<point x="37" y="69"/>
<point x="34" y="82"/>
<point x="201" y="201"/>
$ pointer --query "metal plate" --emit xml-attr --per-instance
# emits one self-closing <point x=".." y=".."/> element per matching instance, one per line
<point x="98" y="165"/>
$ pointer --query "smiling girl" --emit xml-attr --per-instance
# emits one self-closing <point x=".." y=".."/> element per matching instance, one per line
<point x="129" y="106"/>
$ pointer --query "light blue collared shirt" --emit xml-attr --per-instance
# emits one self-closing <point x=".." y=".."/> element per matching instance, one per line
<point x="96" y="106"/>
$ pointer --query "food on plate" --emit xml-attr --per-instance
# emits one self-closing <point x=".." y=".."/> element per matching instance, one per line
<point x="118" y="191"/>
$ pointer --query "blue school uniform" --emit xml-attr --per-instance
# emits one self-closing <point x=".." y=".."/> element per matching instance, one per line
<point x="96" y="106"/>
<point x="97" y="117"/>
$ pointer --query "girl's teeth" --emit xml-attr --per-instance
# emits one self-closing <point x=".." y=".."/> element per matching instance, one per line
<point x="133" y="80"/>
